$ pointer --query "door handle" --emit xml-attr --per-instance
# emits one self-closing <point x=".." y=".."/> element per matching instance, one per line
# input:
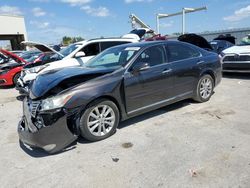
<point x="166" y="71"/>
<point x="200" y="62"/>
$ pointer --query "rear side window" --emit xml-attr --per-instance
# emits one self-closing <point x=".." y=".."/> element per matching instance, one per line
<point x="91" y="49"/>
<point x="105" y="45"/>
<point x="177" y="52"/>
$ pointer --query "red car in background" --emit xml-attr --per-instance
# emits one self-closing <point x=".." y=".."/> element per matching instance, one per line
<point x="10" y="71"/>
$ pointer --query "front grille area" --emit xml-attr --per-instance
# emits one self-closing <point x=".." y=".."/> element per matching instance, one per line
<point x="237" y="58"/>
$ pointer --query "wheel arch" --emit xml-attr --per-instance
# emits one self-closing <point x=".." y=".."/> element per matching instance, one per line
<point x="209" y="72"/>
<point x="13" y="72"/>
<point x="108" y="97"/>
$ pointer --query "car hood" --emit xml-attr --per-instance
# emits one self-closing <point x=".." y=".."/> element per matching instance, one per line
<point x="13" y="56"/>
<point x="41" y="47"/>
<point x="196" y="40"/>
<point x="55" y="81"/>
<point x="237" y="50"/>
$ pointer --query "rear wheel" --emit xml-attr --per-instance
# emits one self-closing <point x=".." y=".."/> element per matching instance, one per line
<point x="204" y="89"/>
<point x="15" y="78"/>
<point x="99" y="120"/>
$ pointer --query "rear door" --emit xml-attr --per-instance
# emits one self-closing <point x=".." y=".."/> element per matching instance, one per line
<point x="149" y="87"/>
<point x="185" y="61"/>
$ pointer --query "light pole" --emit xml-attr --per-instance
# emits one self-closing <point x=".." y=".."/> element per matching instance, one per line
<point x="183" y="13"/>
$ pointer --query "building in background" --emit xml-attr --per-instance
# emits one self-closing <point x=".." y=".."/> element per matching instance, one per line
<point x="12" y="31"/>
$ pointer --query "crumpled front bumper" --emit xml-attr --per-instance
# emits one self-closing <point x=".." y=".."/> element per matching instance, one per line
<point x="52" y="138"/>
<point x="24" y="81"/>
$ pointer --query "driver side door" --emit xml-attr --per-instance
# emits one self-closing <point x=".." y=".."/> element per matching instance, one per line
<point x="149" y="86"/>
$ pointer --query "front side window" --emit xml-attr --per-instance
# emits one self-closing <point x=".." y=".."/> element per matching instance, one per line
<point x="177" y="52"/>
<point x="91" y="49"/>
<point x="154" y="55"/>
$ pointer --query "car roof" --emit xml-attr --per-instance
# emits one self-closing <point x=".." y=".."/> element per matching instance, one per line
<point x="151" y="43"/>
<point x="111" y="39"/>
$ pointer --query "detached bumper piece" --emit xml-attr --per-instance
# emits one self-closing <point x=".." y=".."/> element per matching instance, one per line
<point x="22" y="90"/>
<point x="47" y="131"/>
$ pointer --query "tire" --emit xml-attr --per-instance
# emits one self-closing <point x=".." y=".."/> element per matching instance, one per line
<point x="15" y="78"/>
<point x="94" y="127"/>
<point x="204" y="89"/>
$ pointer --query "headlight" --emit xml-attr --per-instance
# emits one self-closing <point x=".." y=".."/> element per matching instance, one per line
<point x="55" y="102"/>
<point x="4" y="71"/>
<point x="36" y="69"/>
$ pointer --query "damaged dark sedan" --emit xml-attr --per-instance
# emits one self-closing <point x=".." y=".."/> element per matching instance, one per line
<point x="119" y="83"/>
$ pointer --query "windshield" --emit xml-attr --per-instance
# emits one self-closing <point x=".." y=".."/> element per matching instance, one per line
<point x="66" y="51"/>
<point x="69" y="49"/>
<point x="214" y="46"/>
<point x="29" y="54"/>
<point x="245" y="41"/>
<point x="114" y="57"/>
<point x="33" y="58"/>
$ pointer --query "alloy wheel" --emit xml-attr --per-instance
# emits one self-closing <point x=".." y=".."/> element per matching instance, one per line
<point x="101" y="120"/>
<point x="206" y="87"/>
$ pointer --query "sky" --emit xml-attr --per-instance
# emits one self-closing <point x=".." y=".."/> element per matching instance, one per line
<point x="48" y="21"/>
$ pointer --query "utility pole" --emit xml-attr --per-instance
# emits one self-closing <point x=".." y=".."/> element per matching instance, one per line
<point x="183" y="13"/>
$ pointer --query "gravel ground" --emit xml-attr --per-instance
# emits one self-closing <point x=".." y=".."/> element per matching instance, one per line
<point x="183" y="145"/>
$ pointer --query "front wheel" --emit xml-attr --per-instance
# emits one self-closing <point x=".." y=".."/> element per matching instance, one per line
<point x="99" y="120"/>
<point x="204" y="89"/>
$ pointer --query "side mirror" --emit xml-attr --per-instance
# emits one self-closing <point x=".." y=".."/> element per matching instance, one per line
<point x="139" y="67"/>
<point x="79" y="54"/>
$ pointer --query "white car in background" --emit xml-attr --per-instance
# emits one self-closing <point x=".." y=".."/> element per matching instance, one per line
<point x="74" y="55"/>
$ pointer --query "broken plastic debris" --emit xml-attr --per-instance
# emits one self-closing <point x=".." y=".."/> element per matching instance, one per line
<point x="193" y="172"/>
<point x="115" y="159"/>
